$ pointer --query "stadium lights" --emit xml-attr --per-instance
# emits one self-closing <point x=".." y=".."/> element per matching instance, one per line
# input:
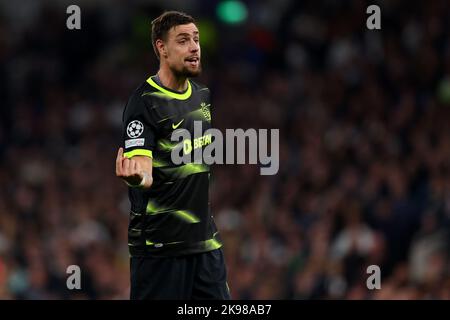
<point x="232" y="11"/>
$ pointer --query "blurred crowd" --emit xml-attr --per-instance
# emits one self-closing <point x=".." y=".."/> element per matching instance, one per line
<point x="364" y="174"/>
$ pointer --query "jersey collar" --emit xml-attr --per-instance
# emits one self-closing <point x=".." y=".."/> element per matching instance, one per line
<point x="174" y="95"/>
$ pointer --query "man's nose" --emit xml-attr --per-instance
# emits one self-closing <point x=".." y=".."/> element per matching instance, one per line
<point x="195" y="46"/>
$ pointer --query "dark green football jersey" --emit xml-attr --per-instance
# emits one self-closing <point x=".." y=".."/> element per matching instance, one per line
<point x="173" y="216"/>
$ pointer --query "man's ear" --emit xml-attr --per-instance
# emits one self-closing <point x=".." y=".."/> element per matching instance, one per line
<point x="161" y="48"/>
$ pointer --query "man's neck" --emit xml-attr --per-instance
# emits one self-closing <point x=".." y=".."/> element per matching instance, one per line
<point x="169" y="80"/>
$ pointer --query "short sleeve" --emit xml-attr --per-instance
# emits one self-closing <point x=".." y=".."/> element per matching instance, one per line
<point x="139" y="134"/>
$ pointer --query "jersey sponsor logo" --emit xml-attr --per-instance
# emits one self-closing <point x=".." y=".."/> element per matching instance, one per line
<point x="189" y="145"/>
<point x="135" y="128"/>
<point x="174" y="126"/>
<point x="134" y="143"/>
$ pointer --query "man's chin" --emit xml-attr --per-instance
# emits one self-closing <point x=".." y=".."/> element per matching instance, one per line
<point x="189" y="73"/>
<point x="195" y="73"/>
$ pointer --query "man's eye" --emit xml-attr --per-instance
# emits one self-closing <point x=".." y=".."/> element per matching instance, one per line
<point x="182" y="41"/>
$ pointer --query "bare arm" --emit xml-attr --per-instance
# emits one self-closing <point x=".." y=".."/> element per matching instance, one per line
<point x="134" y="170"/>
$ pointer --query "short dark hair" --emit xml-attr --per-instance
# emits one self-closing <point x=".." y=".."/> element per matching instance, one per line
<point x="162" y="25"/>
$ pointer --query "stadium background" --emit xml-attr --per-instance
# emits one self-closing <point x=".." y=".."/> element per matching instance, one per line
<point x="364" y="145"/>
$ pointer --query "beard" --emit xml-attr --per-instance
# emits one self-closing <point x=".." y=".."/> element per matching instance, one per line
<point x="185" y="72"/>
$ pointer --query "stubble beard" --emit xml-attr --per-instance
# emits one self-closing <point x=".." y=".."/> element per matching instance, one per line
<point x="187" y="73"/>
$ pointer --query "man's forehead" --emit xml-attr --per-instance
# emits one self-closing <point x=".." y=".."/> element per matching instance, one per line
<point x="190" y="29"/>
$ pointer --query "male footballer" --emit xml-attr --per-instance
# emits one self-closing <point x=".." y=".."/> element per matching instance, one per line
<point x="175" y="248"/>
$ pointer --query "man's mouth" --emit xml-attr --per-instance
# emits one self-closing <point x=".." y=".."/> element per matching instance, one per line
<point x="193" y="61"/>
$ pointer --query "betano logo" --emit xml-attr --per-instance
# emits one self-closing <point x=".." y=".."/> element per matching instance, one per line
<point x="188" y="150"/>
<point x="198" y="143"/>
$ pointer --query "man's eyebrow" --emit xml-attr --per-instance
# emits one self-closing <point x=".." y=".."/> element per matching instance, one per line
<point x="185" y="34"/>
